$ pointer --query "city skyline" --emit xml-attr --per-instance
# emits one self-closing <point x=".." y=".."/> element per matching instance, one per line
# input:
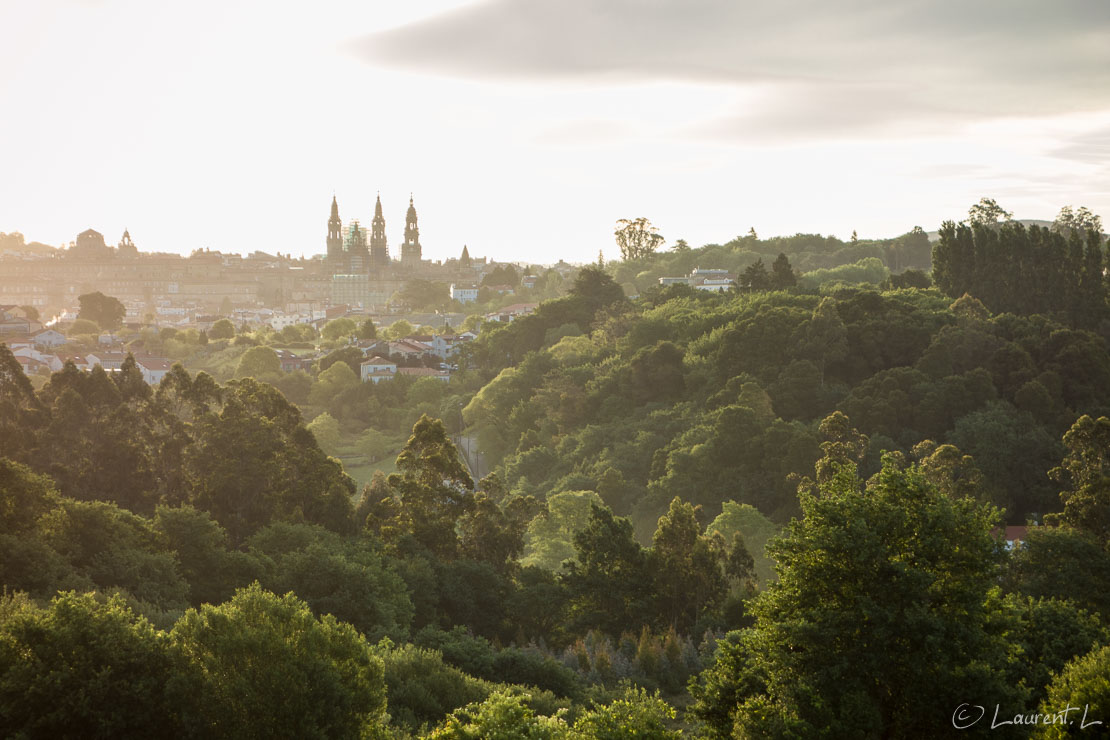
<point x="525" y="130"/>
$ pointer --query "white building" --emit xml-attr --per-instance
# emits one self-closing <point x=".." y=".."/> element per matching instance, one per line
<point x="464" y="293"/>
<point x="153" y="368"/>
<point x="377" y="368"/>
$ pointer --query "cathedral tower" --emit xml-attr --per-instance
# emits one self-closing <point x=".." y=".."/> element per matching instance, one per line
<point x="335" y="240"/>
<point x="358" y="257"/>
<point x="379" y="250"/>
<point x="410" y="250"/>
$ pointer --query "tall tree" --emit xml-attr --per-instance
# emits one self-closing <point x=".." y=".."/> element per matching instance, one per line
<point x="434" y="485"/>
<point x="782" y="274"/>
<point x="755" y="276"/>
<point x="987" y="212"/>
<point x="637" y="238"/>
<point x="105" y="311"/>
<point x="597" y="287"/>
<point x="879" y="615"/>
<point x="609" y="581"/>
<point x="687" y="568"/>
<point x="1086" y="473"/>
<point x="1076" y="220"/>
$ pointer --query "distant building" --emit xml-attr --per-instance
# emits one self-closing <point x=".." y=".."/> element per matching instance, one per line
<point x="376" y="369"/>
<point x="515" y="311"/>
<point x="291" y="361"/>
<point x="714" y="280"/>
<point x="464" y="293"/>
<point x="448" y="345"/>
<point x="354" y="254"/>
<point x="153" y="368"/>
<point x="49" y="338"/>
<point x="110" y="361"/>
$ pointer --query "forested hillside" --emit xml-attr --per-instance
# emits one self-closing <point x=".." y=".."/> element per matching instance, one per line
<point x="716" y="398"/>
<point x="771" y="512"/>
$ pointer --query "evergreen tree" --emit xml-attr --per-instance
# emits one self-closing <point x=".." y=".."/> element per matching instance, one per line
<point x="782" y="274"/>
<point x="755" y="277"/>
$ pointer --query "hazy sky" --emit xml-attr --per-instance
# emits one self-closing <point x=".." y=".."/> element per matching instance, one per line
<point x="525" y="128"/>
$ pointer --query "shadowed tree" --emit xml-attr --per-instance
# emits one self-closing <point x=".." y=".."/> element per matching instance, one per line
<point x="105" y="311"/>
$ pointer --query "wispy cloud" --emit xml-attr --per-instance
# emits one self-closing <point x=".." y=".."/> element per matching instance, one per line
<point x="828" y="68"/>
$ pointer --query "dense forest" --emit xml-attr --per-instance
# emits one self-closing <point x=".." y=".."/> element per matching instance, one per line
<point x="772" y="512"/>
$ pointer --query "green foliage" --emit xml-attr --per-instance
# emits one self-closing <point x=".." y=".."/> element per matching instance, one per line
<point x="422" y="689"/>
<point x="987" y="212"/>
<point x="346" y="578"/>
<point x="104" y="311"/>
<point x="83" y="327"/>
<point x="326" y="431"/>
<point x="720" y="690"/>
<point x="549" y="539"/>
<point x="915" y="567"/>
<point x="1086" y="472"/>
<point x="783" y="276"/>
<point x="307" y="677"/>
<point x="637" y="713"/>
<point x="502" y="275"/>
<point x="352" y="356"/>
<point x="433" y="484"/>
<point x="867" y="270"/>
<point x="425" y="295"/>
<point x="367" y="330"/>
<point x="609" y="582"/>
<point x="1024" y="271"/>
<point x="338" y="329"/>
<point x="115" y="549"/>
<point x="332" y="382"/>
<point x="222" y="329"/>
<point x="637" y="239"/>
<point x="258" y="362"/>
<point x="1062" y="563"/>
<point x="85" y="668"/>
<point x="254" y="462"/>
<point x="469" y="653"/>
<point x="1044" y="635"/>
<point x="755" y="529"/>
<point x="686" y="567"/>
<point x="597" y="288"/>
<point x="205" y="560"/>
<point x="24" y="497"/>
<point x="399" y="329"/>
<point x="1085" y="685"/>
<point x="502" y="716"/>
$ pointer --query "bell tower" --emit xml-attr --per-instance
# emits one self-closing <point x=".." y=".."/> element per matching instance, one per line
<point x="335" y="240"/>
<point x="410" y="250"/>
<point x="379" y="250"/>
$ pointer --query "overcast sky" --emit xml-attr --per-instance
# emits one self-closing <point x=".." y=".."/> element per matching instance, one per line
<point x="526" y="128"/>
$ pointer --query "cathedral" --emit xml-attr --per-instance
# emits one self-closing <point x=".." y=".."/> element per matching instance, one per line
<point x="356" y="253"/>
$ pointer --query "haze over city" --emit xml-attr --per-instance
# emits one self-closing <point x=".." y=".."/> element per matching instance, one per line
<point x="525" y="129"/>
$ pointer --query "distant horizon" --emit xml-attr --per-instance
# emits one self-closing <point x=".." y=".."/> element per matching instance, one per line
<point x="526" y="130"/>
<point x="614" y="256"/>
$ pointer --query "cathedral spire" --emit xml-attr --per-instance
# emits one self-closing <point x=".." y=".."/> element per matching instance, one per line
<point x="379" y="250"/>
<point x="410" y="250"/>
<point x="335" y="239"/>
